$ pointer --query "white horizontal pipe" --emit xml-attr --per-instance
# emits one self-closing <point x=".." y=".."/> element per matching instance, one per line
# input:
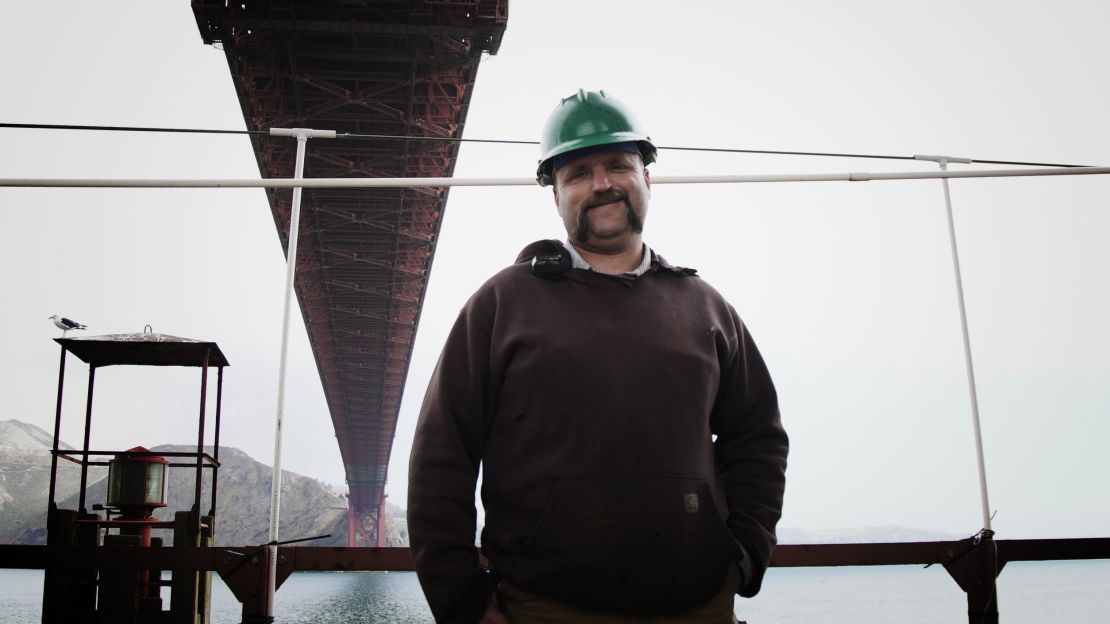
<point x="445" y="182"/>
<point x="867" y="177"/>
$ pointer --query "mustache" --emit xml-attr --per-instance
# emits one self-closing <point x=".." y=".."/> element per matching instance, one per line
<point x="607" y="197"/>
<point x="582" y="231"/>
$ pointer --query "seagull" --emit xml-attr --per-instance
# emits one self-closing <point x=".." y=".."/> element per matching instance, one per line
<point x="65" y="324"/>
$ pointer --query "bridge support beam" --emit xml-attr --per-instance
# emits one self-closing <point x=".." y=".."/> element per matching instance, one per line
<point x="367" y="526"/>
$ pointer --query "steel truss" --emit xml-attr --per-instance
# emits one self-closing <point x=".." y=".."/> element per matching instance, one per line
<point x="386" y="67"/>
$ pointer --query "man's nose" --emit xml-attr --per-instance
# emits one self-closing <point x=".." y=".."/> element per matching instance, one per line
<point x="601" y="181"/>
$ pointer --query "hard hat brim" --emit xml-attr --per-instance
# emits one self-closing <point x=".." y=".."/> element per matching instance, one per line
<point x="545" y="172"/>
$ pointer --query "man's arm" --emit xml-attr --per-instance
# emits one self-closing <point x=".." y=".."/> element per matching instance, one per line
<point x="751" y="451"/>
<point x="443" y="470"/>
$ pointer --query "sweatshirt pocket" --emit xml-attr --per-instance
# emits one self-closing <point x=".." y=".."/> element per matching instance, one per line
<point x="634" y="545"/>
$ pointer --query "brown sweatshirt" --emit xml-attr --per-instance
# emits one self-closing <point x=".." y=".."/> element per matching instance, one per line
<point x="629" y="437"/>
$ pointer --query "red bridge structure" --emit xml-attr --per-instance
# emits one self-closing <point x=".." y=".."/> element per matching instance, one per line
<point x="400" y="69"/>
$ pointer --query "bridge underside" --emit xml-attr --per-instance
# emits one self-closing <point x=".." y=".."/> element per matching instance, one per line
<point x="404" y="69"/>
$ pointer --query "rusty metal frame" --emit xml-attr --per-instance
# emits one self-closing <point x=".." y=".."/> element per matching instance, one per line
<point x="973" y="563"/>
<point x="202" y="460"/>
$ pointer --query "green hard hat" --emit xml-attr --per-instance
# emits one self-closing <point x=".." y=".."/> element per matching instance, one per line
<point x="588" y="119"/>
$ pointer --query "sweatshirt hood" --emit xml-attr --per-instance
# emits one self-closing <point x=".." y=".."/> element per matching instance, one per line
<point x="549" y="246"/>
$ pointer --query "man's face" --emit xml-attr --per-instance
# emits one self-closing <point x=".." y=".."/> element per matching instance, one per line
<point x="603" y="199"/>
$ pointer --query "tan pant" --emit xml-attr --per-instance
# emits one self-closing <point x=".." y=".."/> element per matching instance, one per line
<point x="523" y="607"/>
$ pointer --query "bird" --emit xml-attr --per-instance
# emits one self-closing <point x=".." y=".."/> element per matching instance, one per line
<point x="65" y="324"/>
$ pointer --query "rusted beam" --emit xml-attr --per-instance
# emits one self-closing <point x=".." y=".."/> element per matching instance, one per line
<point x="925" y="553"/>
<point x="302" y="558"/>
<point x="1053" y="549"/>
<point x="399" y="559"/>
<point x="821" y="555"/>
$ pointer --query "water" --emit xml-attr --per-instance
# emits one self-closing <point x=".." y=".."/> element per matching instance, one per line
<point x="1060" y="592"/>
<point x="336" y="598"/>
<point x="1028" y="592"/>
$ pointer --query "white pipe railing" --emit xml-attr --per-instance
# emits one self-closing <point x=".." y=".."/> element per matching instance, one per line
<point x="969" y="366"/>
<point x="302" y="135"/>
<point x="447" y="182"/>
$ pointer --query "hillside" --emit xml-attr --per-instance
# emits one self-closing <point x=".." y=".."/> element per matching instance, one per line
<point x="308" y="507"/>
<point x="25" y="477"/>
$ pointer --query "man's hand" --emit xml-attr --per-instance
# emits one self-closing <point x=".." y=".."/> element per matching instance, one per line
<point x="493" y="615"/>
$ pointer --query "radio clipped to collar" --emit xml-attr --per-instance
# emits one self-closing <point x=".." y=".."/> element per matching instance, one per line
<point x="551" y="265"/>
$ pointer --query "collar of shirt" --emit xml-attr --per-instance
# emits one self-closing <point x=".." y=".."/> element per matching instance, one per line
<point x="578" y="262"/>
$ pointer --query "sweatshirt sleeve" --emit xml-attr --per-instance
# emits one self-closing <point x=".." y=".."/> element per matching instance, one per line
<point x="751" y="449"/>
<point x="443" y="470"/>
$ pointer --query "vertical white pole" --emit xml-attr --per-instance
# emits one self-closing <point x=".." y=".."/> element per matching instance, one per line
<point x="302" y="135"/>
<point x="985" y="503"/>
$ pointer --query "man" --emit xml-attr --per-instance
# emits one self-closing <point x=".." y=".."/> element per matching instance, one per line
<point x="628" y="431"/>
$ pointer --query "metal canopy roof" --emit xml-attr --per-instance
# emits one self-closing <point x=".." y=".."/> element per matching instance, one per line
<point x="143" y="350"/>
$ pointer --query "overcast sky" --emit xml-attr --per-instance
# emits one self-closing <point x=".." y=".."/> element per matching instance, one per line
<point x="847" y="287"/>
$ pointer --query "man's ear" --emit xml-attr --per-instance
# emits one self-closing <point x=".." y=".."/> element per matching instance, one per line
<point x="647" y="180"/>
<point x="555" y="195"/>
